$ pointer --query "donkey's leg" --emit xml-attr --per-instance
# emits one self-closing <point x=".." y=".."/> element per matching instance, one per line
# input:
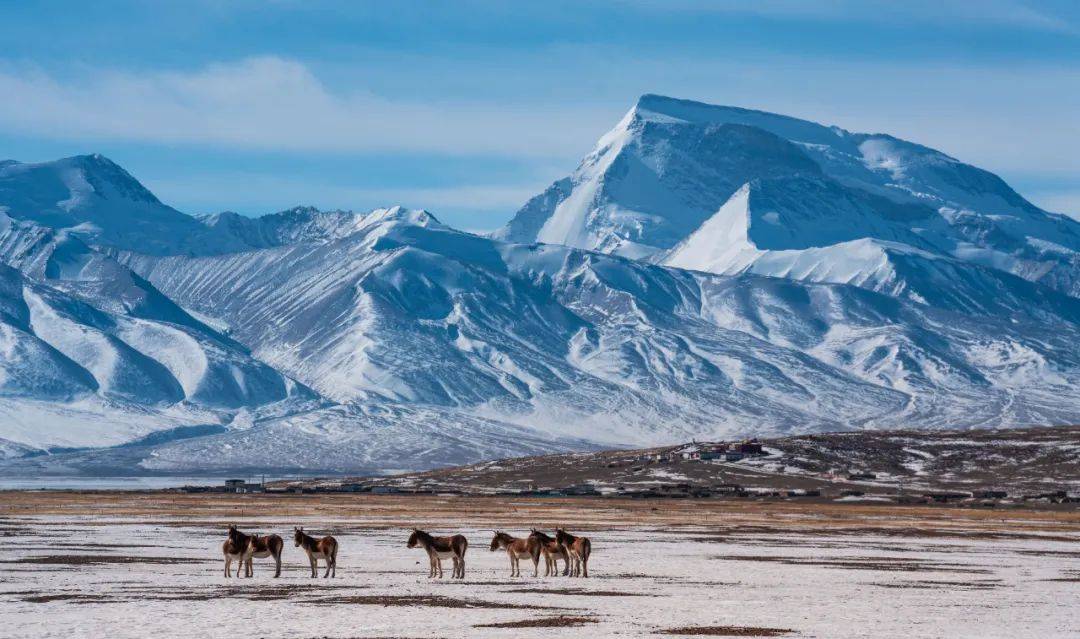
<point x="314" y="565"/>
<point x="438" y="564"/>
<point x="228" y="566"/>
<point x="328" y="561"/>
<point x="461" y="567"/>
<point x="277" y="566"/>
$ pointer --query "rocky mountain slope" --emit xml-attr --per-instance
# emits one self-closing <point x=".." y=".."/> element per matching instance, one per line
<point x="904" y="465"/>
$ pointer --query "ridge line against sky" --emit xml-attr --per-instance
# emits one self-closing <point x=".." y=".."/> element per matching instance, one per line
<point x="470" y="109"/>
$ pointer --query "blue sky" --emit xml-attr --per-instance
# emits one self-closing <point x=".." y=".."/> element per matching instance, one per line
<point x="468" y="108"/>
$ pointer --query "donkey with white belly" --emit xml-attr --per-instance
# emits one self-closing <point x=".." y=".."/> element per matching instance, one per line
<point x="439" y="548"/>
<point x="244" y="547"/>
<point x="518" y="549"/>
<point x="324" y="548"/>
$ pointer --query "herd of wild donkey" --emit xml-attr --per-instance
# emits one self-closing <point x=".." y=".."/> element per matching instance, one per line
<point x="572" y="549"/>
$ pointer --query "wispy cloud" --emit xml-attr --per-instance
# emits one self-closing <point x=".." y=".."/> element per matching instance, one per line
<point x="275" y="103"/>
<point x="1007" y="118"/>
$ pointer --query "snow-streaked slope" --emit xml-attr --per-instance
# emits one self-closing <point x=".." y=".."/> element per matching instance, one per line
<point x="88" y="342"/>
<point x="581" y="344"/>
<point x="670" y="165"/>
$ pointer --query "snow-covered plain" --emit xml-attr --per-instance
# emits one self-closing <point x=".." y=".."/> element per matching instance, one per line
<point x="162" y="577"/>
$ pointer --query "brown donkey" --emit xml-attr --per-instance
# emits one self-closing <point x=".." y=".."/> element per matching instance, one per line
<point x="233" y="550"/>
<point x="439" y="548"/>
<point x="552" y="553"/>
<point x="316" y="549"/>
<point x="518" y="549"/>
<point x="579" y="549"/>
<point x="252" y="546"/>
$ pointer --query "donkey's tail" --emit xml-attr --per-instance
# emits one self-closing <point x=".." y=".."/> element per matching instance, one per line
<point x="586" y="549"/>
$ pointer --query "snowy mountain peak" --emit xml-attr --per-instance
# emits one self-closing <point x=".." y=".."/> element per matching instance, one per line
<point x="670" y="165"/>
<point x="102" y="203"/>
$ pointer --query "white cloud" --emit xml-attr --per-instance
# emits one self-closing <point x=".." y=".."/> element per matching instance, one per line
<point x="274" y="103"/>
<point x="1018" y="118"/>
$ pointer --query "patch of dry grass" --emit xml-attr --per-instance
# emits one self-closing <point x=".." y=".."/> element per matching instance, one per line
<point x="726" y="631"/>
<point x="541" y="622"/>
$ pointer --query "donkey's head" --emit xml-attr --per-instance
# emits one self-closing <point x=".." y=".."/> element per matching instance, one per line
<point x="414" y="538"/>
<point x="496" y="541"/>
<point x="298" y="535"/>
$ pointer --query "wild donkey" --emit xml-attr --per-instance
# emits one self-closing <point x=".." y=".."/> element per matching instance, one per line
<point x="518" y="549"/>
<point x="252" y="546"/>
<point x="579" y="549"/>
<point x="439" y="548"/>
<point x="552" y="553"/>
<point x="316" y="549"/>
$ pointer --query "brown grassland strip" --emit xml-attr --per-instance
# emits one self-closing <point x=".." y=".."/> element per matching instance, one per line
<point x="432" y="601"/>
<point x="97" y="560"/>
<point x="519" y="513"/>
<point x="541" y="622"/>
<point x="580" y="591"/>
<point x="726" y="631"/>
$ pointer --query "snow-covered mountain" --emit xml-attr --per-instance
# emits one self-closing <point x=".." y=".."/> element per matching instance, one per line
<point x="94" y="355"/>
<point x="729" y="190"/>
<point x="93" y="198"/>
<point x="706" y="272"/>
<point x="580" y="344"/>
